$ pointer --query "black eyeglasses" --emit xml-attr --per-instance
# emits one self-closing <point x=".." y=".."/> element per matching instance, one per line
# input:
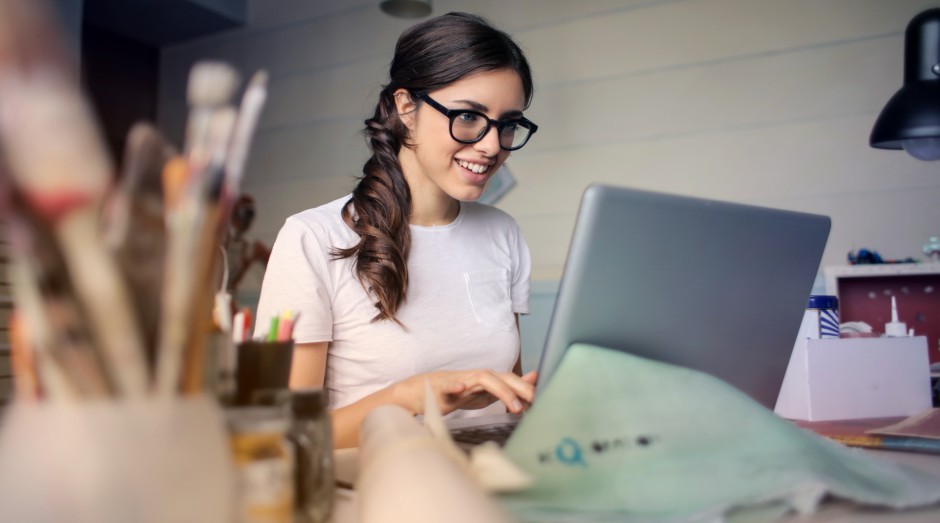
<point x="469" y="126"/>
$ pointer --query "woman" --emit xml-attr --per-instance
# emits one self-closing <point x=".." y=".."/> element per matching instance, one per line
<point x="407" y="280"/>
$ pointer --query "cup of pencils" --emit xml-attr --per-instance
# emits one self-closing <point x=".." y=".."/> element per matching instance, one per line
<point x="263" y="372"/>
<point x="263" y="364"/>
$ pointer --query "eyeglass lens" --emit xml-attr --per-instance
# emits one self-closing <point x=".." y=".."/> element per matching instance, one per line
<point x="470" y="127"/>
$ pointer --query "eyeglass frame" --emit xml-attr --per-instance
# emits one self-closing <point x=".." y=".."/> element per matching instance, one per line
<point x="452" y="114"/>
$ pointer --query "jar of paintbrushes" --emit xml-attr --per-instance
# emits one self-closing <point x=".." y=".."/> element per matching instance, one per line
<point x="114" y="283"/>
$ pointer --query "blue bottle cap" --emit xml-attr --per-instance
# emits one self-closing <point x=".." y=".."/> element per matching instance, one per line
<point x="820" y="301"/>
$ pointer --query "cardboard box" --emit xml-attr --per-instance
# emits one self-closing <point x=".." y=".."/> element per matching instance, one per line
<point x="853" y="378"/>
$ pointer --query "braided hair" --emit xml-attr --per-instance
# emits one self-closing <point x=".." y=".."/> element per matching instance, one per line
<point x="428" y="56"/>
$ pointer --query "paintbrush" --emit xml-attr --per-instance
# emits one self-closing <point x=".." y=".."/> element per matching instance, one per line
<point x="210" y="87"/>
<point x="56" y="335"/>
<point x="233" y="155"/>
<point x="135" y="229"/>
<point x="58" y="162"/>
<point x="248" y="114"/>
<point x="207" y="266"/>
<point x="236" y="155"/>
<point x="23" y="362"/>
<point x="190" y="212"/>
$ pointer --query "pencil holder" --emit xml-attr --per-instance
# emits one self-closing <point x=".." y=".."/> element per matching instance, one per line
<point x="262" y="372"/>
<point x="146" y="461"/>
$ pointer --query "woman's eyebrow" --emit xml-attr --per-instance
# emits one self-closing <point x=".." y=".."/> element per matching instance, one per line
<point x="477" y="106"/>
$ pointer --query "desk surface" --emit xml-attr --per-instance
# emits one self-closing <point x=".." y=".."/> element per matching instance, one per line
<point x="838" y="511"/>
<point x="830" y="512"/>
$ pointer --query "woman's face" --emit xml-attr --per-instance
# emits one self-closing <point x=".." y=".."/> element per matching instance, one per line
<point x="439" y="166"/>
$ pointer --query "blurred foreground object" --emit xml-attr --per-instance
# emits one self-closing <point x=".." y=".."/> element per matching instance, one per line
<point x="78" y="304"/>
<point x="113" y="419"/>
<point x="112" y="281"/>
<point x="142" y="461"/>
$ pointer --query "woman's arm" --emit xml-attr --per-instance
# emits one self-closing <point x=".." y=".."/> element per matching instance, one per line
<point x="470" y="389"/>
<point x="517" y="368"/>
<point x="308" y="365"/>
<point x="308" y="369"/>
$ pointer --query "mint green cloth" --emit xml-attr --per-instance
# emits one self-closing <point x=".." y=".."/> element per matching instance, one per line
<point x="631" y="439"/>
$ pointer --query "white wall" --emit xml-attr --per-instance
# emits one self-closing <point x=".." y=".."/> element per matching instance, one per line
<point x="758" y="101"/>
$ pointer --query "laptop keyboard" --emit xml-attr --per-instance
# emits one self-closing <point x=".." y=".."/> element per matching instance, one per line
<point x="475" y="435"/>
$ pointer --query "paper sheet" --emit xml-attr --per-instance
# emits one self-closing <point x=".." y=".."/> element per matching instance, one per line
<point x="925" y="424"/>
<point x="620" y="438"/>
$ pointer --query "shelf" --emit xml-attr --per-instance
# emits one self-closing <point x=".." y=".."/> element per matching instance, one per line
<point x="865" y="293"/>
<point x="875" y="270"/>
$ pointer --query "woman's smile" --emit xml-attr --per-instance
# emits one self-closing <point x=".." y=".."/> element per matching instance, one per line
<point x="475" y="173"/>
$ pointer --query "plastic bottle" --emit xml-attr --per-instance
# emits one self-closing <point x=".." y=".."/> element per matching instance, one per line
<point x="821" y="319"/>
<point x="895" y="328"/>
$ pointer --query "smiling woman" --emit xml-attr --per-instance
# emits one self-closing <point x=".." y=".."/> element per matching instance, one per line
<point x="408" y="280"/>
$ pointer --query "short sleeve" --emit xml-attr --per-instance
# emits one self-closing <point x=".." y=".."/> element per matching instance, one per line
<point x="521" y="273"/>
<point x="296" y="279"/>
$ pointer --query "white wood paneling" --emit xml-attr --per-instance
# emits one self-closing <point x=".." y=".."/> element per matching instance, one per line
<point x="284" y="199"/>
<point x="759" y="101"/>
<point x="801" y="166"/>
<point x="696" y="33"/>
<point x="347" y="91"/>
<point x="291" y="154"/>
<point x="749" y="92"/>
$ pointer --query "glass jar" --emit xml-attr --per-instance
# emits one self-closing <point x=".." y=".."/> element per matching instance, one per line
<point x="312" y="434"/>
<point x="264" y="464"/>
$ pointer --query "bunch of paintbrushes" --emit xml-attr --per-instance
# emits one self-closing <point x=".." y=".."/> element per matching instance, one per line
<point x="114" y="281"/>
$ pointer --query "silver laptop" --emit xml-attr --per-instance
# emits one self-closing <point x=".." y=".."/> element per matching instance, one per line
<point x="714" y="286"/>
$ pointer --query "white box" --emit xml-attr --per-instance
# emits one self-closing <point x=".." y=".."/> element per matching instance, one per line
<point x="852" y="378"/>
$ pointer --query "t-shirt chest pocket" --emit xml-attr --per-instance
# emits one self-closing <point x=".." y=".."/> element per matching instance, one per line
<point x="488" y="292"/>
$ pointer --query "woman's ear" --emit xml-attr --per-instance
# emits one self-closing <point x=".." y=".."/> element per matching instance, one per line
<point x="406" y="107"/>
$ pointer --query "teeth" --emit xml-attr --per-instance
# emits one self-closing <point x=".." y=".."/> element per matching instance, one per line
<point x="475" y="167"/>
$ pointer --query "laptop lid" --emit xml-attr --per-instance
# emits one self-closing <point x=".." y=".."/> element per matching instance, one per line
<point x="714" y="286"/>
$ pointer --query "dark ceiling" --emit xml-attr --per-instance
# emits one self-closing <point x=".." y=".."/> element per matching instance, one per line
<point x="163" y="22"/>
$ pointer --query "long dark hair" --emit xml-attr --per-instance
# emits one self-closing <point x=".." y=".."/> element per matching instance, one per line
<point x="428" y="56"/>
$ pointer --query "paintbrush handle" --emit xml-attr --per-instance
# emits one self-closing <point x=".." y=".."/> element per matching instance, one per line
<point x="248" y="115"/>
<point x="196" y="352"/>
<point x="193" y="228"/>
<point x="105" y="299"/>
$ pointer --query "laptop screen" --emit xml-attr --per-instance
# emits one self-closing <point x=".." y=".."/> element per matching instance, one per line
<point x="714" y="286"/>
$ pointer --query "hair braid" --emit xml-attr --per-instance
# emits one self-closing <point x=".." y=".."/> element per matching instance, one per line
<point x="378" y="212"/>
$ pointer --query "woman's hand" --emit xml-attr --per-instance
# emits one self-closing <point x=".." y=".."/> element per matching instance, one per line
<point x="469" y="389"/>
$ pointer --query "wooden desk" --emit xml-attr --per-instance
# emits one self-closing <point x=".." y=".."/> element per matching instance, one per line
<point x="830" y="512"/>
<point x="839" y="512"/>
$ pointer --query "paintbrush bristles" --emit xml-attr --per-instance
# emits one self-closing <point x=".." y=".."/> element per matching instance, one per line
<point x="211" y="84"/>
<point x="175" y="173"/>
<point x="259" y="78"/>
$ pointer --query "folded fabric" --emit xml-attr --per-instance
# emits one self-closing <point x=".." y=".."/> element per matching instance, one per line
<point x="615" y="437"/>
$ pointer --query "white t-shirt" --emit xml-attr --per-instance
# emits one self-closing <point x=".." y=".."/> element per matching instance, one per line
<point x="467" y="280"/>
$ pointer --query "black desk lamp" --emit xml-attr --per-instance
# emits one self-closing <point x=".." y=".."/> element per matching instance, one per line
<point x="911" y="118"/>
<point x="406" y="8"/>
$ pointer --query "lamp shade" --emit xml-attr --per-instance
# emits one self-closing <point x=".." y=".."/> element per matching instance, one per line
<point x="406" y="8"/>
<point x="911" y="118"/>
